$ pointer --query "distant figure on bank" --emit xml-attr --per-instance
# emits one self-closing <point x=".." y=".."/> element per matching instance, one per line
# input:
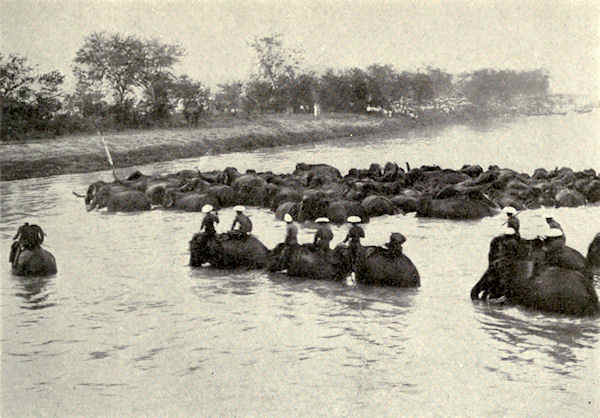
<point x="243" y="223"/>
<point x="291" y="230"/>
<point x="323" y="236"/>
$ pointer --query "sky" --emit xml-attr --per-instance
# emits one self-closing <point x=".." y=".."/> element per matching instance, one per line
<point x="562" y="36"/>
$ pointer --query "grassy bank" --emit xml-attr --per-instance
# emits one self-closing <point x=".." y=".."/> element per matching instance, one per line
<point x="82" y="154"/>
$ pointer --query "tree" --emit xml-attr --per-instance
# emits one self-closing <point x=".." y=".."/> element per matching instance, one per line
<point x="193" y="96"/>
<point x="278" y="66"/>
<point x="27" y="101"/>
<point x="126" y="63"/>
<point x="229" y="96"/>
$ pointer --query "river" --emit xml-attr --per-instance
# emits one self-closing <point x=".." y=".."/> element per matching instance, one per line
<point x="127" y="328"/>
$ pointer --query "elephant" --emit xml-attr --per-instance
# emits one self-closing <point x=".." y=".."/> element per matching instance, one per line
<point x="569" y="198"/>
<point x="225" y="195"/>
<point x="27" y="257"/>
<point x="459" y="207"/>
<point x="34" y="262"/>
<point x="226" y="252"/>
<point x="593" y="255"/>
<point x="314" y="205"/>
<point x="314" y="175"/>
<point x="307" y="261"/>
<point x="378" y="205"/>
<point x="118" y="198"/>
<point x="250" y="189"/>
<point x="380" y="266"/>
<point x="519" y="272"/>
<point x="189" y="202"/>
<point x="293" y="208"/>
<point x="338" y="211"/>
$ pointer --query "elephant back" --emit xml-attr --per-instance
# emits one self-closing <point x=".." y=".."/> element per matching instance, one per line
<point x="35" y="262"/>
<point x="380" y="269"/>
<point x="128" y="201"/>
<point x="554" y="289"/>
<point x="306" y="261"/>
<point x="247" y="252"/>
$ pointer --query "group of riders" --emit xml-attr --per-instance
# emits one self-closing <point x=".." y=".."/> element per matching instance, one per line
<point x="550" y="240"/>
<point x="242" y="226"/>
<point x="28" y="237"/>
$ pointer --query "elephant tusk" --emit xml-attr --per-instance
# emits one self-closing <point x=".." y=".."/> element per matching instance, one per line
<point x="79" y="195"/>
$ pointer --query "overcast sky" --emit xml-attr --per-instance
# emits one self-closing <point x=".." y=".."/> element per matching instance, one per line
<point x="562" y="36"/>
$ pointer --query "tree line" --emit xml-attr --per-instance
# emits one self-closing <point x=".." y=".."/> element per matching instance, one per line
<point x="125" y="82"/>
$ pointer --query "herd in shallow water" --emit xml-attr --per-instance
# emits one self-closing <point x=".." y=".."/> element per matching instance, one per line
<point x="530" y="271"/>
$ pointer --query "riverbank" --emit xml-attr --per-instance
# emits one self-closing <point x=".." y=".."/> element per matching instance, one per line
<point x="85" y="153"/>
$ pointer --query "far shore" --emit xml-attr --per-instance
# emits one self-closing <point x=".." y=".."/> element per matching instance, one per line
<point x="85" y="153"/>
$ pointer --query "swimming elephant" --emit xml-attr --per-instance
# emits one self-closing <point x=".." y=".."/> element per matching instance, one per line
<point x="225" y="195"/>
<point x="27" y="257"/>
<point x="378" y="205"/>
<point x="118" y="198"/>
<point x="458" y="207"/>
<point x="34" y="262"/>
<point x="223" y="251"/>
<point x="338" y="211"/>
<point x="250" y="189"/>
<point x="189" y="202"/>
<point x="518" y="271"/>
<point x="380" y="266"/>
<point x="307" y="261"/>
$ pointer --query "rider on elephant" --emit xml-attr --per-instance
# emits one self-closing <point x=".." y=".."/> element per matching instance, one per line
<point x="323" y="235"/>
<point x="291" y="230"/>
<point x="512" y="221"/>
<point x="394" y="245"/>
<point x="555" y="239"/>
<point x="354" y="235"/>
<point x="244" y="223"/>
<point x="210" y="219"/>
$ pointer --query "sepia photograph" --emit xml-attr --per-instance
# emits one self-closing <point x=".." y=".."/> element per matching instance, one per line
<point x="300" y="208"/>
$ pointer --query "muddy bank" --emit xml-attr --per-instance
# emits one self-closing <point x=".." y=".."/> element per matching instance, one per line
<point x="82" y="154"/>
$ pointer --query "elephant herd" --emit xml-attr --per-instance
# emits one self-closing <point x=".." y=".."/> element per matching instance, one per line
<point x="520" y="271"/>
<point x="319" y="190"/>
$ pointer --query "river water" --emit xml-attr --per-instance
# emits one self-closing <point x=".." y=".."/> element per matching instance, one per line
<point x="126" y="328"/>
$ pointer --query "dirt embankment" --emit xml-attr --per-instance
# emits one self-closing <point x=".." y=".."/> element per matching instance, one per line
<point x="85" y="153"/>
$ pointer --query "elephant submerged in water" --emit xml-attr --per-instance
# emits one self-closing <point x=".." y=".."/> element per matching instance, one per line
<point x="372" y="265"/>
<point x="522" y="272"/>
<point x="27" y="257"/>
<point x="228" y="251"/>
<point x="307" y="260"/>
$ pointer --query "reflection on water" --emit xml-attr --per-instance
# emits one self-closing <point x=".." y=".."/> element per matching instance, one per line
<point x="34" y="292"/>
<point x="127" y="317"/>
<point x="556" y="338"/>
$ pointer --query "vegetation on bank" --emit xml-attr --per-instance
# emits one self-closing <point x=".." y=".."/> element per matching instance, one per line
<point x="124" y="82"/>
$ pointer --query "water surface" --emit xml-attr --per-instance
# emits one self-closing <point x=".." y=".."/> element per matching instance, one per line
<point x="126" y="328"/>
